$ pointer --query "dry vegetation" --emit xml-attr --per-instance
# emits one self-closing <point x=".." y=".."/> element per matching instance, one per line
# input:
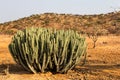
<point x="107" y="23"/>
<point x="103" y="62"/>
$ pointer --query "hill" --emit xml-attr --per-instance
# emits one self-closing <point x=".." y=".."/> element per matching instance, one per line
<point x="107" y="23"/>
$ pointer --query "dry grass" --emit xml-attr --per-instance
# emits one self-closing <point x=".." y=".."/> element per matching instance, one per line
<point x="103" y="63"/>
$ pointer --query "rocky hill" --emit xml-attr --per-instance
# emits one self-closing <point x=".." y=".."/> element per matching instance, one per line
<point x="107" y="23"/>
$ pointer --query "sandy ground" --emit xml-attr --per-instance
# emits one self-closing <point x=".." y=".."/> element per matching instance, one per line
<point x="103" y="63"/>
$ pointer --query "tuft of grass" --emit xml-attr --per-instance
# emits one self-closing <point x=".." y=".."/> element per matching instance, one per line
<point x="6" y="66"/>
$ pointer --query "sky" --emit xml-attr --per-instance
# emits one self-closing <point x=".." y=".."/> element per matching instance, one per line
<point x="15" y="9"/>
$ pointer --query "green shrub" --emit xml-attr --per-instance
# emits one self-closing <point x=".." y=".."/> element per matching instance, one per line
<point x="41" y="49"/>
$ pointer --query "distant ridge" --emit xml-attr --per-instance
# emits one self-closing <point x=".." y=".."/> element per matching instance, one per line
<point x="109" y="22"/>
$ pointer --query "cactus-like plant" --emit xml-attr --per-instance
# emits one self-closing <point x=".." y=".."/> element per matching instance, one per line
<point x="41" y="49"/>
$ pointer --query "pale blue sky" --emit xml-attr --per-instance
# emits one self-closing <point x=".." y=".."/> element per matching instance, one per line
<point x="15" y="9"/>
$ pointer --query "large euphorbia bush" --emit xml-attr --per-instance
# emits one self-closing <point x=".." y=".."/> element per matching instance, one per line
<point x="41" y="49"/>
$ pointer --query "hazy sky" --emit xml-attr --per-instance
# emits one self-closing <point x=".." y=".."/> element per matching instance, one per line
<point x="15" y="9"/>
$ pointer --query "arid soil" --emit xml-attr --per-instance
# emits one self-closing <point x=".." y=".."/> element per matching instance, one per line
<point x="103" y="63"/>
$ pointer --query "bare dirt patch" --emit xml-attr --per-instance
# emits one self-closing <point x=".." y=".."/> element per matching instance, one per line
<point x="103" y="63"/>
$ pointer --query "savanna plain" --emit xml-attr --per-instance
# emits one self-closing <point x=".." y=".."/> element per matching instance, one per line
<point x="102" y="62"/>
